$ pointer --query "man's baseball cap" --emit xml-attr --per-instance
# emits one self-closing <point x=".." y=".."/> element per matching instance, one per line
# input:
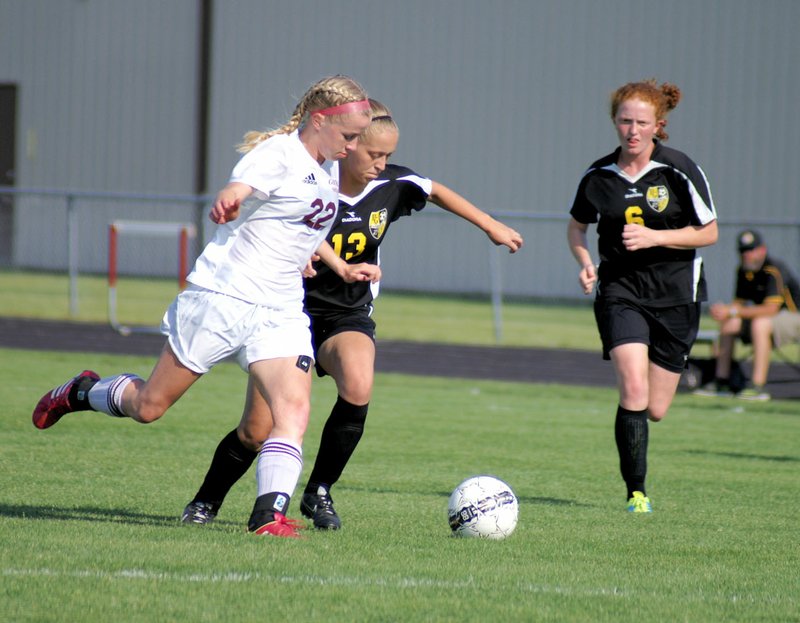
<point x="748" y="240"/>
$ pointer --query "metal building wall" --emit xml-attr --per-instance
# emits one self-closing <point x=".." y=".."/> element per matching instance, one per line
<point x="504" y="102"/>
<point x="507" y="103"/>
<point x="106" y="95"/>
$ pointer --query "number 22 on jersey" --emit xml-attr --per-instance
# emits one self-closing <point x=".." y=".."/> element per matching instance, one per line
<point x="322" y="214"/>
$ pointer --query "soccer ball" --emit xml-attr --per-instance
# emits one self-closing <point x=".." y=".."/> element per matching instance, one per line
<point x="483" y="506"/>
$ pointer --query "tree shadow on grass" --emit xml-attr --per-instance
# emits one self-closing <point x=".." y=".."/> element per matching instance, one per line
<point x="545" y="501"/>
<point x="92" y="514"/>
<point x="747" y="456"/>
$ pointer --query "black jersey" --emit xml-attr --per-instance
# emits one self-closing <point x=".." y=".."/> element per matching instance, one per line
<point x="670" y="193"/>
<point x="360" y="227"/>
<point x="772" y="283"/>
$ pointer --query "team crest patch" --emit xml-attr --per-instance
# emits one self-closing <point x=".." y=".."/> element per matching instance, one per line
<point x="658" y="198"/>
<point x="377" y="223"/>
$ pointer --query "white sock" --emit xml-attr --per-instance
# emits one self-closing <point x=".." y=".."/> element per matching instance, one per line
<point x="106" y="395"/>
<point x="279" y="465"/>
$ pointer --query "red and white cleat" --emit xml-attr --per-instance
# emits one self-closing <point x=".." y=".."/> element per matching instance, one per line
<point x="281" y="526"/>
<point x="55" y="404"/>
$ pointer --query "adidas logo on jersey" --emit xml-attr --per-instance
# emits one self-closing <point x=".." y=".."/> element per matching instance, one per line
<point x="310" y="179"/>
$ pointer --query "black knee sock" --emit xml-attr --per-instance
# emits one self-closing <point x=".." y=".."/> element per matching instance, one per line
<point x="340" y="437"/>
<point x="231" y="461"/>
<point x="631" y="433"/>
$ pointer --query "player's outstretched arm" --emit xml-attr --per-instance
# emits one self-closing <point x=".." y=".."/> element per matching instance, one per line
<point x="498" y="232"/>
<point x="361" y="272"/>
<point x="226" y="205"/>
<point x="348" y="272"/>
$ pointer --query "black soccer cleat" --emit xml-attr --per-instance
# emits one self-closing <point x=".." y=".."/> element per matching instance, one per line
<point x="199" y="513"/>
<point x="319" y="508"/>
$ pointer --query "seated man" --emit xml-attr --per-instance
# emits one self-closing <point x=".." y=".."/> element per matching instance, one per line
<point x="764" y="312"/>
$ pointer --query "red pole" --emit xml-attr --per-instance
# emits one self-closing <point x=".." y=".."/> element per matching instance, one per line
<point x="112" y="256"/>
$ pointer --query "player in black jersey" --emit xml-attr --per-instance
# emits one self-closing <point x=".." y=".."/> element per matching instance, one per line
<point x="765" y="311"/>
<point x="372" y="195"/>
<point x="653" y="208"/>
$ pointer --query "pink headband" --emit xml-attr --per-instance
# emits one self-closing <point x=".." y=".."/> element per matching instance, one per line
<point x="344" y="109"/>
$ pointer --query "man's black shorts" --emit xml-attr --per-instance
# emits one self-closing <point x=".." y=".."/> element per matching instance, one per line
<point x="326" y="323"/>
<point x="670" y="332"/>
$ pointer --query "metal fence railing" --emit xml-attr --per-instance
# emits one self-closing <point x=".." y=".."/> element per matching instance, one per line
<point x="430" y="252"/>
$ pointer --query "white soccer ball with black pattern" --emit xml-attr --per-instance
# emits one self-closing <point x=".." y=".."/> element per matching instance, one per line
<point x="484" y="507"/>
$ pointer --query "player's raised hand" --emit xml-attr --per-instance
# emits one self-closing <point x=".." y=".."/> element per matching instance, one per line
<point x="500" y="233"/>
<point x="229" y="199"/>
<point x="349" y="273"/>
<point x="587" y="278"/>
<point x="361" y="272"/>
<point x="309" y="271"/>
<point x="636" y="237"/>
<point x="224" y="210"/>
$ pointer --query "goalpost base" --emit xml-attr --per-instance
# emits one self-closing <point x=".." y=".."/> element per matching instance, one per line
<point x="182" y="231"/>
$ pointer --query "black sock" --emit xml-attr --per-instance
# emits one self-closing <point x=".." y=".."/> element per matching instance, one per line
<point x="265" y="508"/>
<point x="631" y="432"/>
<point x="340" y="437"/>
<point x="231" y="461"/>
<point x="79" y="395"/>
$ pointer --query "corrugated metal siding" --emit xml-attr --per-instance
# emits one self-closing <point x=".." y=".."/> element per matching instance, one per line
<point x="106" y="92"/>
<point x="504" y="102"/>
<point x="106" y="103"/>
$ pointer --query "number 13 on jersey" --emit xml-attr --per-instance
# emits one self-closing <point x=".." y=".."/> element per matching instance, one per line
<point x="356" y="241"/>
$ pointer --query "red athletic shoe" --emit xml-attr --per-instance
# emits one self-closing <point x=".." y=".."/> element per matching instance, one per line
<point x="55" y="404"/>
<point x="281" y="526"/>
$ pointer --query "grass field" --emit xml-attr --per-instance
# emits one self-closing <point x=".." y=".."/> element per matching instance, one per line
<point x="399" y="316"/>
<point x="89" y="525"/>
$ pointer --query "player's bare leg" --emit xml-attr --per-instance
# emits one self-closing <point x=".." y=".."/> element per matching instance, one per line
<point x="285" y="384"/>
<point x="147" y="401"/>
<point x="123" y="395"/>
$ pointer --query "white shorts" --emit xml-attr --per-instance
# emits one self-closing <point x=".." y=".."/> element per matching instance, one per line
<point x="785" y="328"/>
<point x="206" y="327"/>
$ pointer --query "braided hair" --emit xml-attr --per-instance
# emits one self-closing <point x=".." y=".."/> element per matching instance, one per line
<point x="328" y="92"/>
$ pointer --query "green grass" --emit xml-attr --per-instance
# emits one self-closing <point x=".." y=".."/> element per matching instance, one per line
<point x="47" y="296"/>
<point x="89" y="529"/>
<point x="399" y="316"/>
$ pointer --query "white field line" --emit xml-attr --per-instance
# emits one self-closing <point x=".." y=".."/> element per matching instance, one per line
<point x="315" y="580"/>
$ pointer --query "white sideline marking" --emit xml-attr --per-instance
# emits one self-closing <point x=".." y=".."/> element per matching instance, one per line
<point x="317" y="580"/>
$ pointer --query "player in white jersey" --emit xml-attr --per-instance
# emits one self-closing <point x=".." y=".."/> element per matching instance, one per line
<point x="246" y="294"/>
<point x="295" y="199"/>
<point x="373" y="195"/>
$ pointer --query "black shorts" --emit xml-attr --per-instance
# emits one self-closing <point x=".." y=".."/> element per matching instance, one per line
<point x="326" y="323"/>
<point x="669" y="332"/>
<point x="746" y="332"/>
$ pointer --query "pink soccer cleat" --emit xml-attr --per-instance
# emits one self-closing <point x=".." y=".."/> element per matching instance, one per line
<point x="281" y="526"/>
<point x="55" y="404"/>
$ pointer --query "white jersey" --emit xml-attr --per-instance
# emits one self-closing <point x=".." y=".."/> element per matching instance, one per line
<point x="260" y="256"/>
